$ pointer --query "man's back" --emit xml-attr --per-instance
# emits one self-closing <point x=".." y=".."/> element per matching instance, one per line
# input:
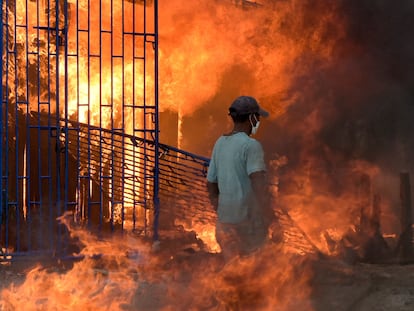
<point x="234" y="158"/>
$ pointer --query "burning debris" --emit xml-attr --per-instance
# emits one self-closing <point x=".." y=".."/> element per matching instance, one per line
<point x="122" y="273"/>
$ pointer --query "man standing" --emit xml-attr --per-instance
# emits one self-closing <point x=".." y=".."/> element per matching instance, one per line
<point x="237" y="185"/>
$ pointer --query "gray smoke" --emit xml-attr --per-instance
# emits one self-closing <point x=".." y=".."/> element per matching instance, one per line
<point x="363" y="101"/>
<point x="356" y="107"/>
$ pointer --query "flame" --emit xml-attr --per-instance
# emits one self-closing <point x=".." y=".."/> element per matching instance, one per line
<point x="200" y="42"/>
<point x="267" y="41"/>
<point x="92" y="81"/>
<point x="204" y="231"/>
<point x="91" y="284"/>
<point x="121" y="272"/>
<point x="269" y="280"/>
<point x="318" y="211"/>
<point x="89" y="82"/>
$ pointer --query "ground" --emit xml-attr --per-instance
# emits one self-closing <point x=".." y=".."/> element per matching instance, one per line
<point x="334" y="284"/>
<point x="359" y="287"/>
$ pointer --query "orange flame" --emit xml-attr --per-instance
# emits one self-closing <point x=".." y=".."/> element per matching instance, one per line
<point x="200" y="42"/>
<point x="120" y="272"/>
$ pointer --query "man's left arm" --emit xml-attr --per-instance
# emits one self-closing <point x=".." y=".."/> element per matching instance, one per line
<point x="261" y="191"/>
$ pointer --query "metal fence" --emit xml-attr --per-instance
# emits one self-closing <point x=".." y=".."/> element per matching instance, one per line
<point x="79" y="128"/>
<point x="79" y="119"/>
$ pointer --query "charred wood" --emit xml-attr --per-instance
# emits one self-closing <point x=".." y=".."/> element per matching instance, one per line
<point x="405" y="249"/>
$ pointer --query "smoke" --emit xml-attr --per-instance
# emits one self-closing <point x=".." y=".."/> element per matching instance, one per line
<point x="212" y="47"/>
<point x="337" y="77"/>
<point x="331" y="72"/>
<point x="359" y="105"/>
<point x="366" y="91"/>
<point x="353" y="114"/>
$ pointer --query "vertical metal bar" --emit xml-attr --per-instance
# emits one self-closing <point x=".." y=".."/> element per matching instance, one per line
<point x="57" y="51"/>
<point x="78" y="193"/>
<point x="66" y="103"/>
<point x="48" y="177"/>
<point x="123" y="116"/>
<point x="57" y="99"/>
<point x="111" y="169"/>
<point x="78" y="179"/>
<point x="49" y="170"/>
<point x="134" y="210"/>
<point x="6" y="130"/>
<point x="2" y="106"/>
<point x="89" y="119"/>
<point x="156" y="150"/>
<point x="39" y="164"/>
<point x="16" y="127"/>
<point x="147" y="178"/>
<point x="144" y="113"/>
<point x="100" y="120"/>
<point x="10" y="63"/>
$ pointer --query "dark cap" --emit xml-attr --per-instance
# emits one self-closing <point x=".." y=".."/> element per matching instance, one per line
<point x="247" y="105"/>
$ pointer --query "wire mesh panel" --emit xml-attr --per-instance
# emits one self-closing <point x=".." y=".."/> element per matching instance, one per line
<point x="78" y="78"/>
<point x="181" y="179"/>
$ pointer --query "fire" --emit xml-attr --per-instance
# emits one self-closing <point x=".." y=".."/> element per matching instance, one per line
<point x="218" y="36"/>
<point x="204" y="232"/>
<point x="119" y="273"/>
<point x="258" y="49"/>
<point x="92" y="284"/>
<point x="266" y="41"/>
<point x="329" y="218"/>
<point x="206" y="48"/>
<point x="256" y="289"/>
<point x="100" y="89"/>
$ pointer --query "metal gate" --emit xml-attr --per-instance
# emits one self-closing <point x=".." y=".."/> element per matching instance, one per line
<point x="79" y="121"/>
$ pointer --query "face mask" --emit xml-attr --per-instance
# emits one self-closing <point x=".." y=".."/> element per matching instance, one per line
<point x="254" y="127"/>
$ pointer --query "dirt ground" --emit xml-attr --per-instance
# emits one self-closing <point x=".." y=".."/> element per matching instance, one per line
<point x="334" y="285"/>
<point x="358" y="287"/>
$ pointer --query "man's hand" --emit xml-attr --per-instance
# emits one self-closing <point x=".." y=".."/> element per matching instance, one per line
<point x="213" y="193"/>
<point x="261" y="191"/>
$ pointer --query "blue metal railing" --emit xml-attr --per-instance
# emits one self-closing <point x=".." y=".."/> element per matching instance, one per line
<point x="180" y="175"/>
<point x="53" y="55"/>
<point x="180" y="181"/>
<point x="3" y="194"/>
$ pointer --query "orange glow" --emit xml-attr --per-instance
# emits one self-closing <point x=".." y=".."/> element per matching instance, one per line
<point x="120" y="272"/>
<point x="204" y="232"/>
<point x="90" y="285"/>
<point x="319" y="212"/>
<point x="201" y="40"/>
<point x="199" y="43"/>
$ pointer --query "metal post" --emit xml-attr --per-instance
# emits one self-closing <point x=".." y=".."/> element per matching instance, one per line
<point x="65" y="129"/>
<point x="406" y="245"/>
<point x="2" y="190"/>
<point x="364" y="196"/>
<point x="156" y="155"/>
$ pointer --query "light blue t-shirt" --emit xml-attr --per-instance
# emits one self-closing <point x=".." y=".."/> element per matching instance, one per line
<point x="233" y="159"/>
